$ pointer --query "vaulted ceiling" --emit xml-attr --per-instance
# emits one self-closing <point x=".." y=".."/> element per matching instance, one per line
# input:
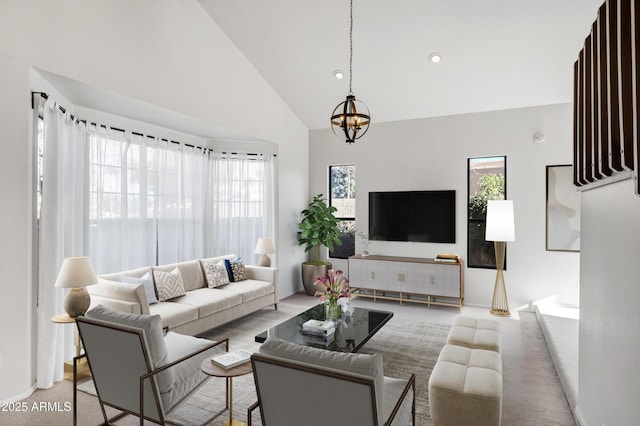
<point x="496" y="54"/>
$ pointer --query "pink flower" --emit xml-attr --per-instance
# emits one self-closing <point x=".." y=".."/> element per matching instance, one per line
<point x="333" y="287"/>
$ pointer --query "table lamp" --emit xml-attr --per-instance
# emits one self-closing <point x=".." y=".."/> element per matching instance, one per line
<point x="500" y="228"/>
<point x="76" y="273"/>
<point x="264" y="247"/>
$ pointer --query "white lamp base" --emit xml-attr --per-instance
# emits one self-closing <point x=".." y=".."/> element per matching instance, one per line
<point x="76" y="302"/>
<point x="264" y="260"/>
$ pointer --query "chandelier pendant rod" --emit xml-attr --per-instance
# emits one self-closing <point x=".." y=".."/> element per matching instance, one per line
<point x="351" y="47"/>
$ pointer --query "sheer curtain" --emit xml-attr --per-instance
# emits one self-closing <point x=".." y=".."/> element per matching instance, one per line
<point x="122" y="212"/>
<point x="155" y="202"/>
<point x="63" y="228"/>
<point x="182" y="176"/>
<point x="242" y="202"/>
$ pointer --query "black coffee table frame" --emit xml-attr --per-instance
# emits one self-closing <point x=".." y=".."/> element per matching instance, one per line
<point x="352" y="331"/>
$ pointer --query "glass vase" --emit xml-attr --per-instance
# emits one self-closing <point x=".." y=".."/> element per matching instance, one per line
<point x="333" y="310"/>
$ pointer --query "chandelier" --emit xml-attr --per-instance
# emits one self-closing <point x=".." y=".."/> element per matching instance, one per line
<point x="350" y="118"/>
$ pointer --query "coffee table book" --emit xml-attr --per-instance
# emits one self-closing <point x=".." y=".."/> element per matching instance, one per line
<point x="233" y="358"/>
<point x="318" y="328"/>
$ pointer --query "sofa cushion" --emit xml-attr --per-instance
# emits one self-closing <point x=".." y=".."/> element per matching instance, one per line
<point x="365" y="364"/>
<point x="216" y="274"/>
<point x="174" y="314"/>
<point x="117" y="276"/>
<point x="191" y="271"/>
<point x="147" y="281"/>
<point x="209" y="300"/>
<point x="152" y="327"/>
<point x="169" y="284"/>
<point x="187" y="374"/>
<point x="249" y="289"/>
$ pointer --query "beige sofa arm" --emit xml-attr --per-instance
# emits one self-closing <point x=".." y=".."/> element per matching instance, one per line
<point x="263" y="273"/>
<point x="116" y="304"/>
<point x="120" y="296"/>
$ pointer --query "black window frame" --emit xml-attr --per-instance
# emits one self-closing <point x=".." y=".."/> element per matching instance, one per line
<point x="348" y="238"/>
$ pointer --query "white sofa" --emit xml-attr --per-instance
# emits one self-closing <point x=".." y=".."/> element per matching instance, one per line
<point x="200" y="308"/>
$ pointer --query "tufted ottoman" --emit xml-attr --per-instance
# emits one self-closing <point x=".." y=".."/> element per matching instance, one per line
<point x="465" y="387"/>
<point x="476" y="334"/>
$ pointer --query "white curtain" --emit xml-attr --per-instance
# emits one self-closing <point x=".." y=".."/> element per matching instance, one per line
<point x="157" y="202"/>
<point x="63" y="228"/>
<point x="121" y="224"/>
<point x="242" y="202"/>
<point x="182" y="174"/>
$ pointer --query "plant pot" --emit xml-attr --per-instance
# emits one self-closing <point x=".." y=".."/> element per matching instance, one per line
<point x="309" y="275"/>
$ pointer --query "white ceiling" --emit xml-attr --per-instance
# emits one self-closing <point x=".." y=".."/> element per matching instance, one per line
<point x="497" y="54"/>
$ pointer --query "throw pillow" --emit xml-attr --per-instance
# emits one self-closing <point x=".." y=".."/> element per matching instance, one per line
<point x="148" y="286"/>
<point x="169" y="284"/>
<point x="216" y="274"/>
<point x="152" y="326"/>
<point x="236" y="270"/>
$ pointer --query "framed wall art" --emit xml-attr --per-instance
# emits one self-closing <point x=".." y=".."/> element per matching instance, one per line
<point x="563" y="210"/>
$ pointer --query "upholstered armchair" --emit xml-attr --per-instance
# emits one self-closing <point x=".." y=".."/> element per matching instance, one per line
<point x="139" y="370"/>
<point x="303" y="385"/>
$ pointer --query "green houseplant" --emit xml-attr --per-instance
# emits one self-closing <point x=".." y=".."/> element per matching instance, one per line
<point x="319" y="227"/>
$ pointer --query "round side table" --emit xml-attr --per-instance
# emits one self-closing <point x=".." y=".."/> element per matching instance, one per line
<point x="214" y="370"/>
<point x="83" y="367"/>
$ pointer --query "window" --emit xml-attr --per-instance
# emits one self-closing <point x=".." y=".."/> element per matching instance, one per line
<point x="486" y="181"/>
<point x="342" y="187"/>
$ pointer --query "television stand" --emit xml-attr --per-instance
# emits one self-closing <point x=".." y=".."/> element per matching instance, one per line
<point x="407" y="279"/>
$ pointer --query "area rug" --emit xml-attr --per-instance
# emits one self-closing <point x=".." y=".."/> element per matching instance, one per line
<point x="407" y="347"/>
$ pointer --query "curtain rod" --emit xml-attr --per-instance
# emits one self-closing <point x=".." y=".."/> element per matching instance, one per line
<point x="78" y="120"/>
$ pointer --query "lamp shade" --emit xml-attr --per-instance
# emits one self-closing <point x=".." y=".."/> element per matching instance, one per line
<point x="500" y="225"/>
<point x="264" y="246"/>
<point x="76" y="272"/>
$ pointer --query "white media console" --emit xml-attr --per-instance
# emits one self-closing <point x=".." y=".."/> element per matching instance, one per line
<point x="407" y="279"/>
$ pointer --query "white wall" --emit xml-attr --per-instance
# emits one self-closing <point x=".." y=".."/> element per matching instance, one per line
<point x="165" y="53"/>
<point x="431" y="154"/>
<point x="609" y="376"/>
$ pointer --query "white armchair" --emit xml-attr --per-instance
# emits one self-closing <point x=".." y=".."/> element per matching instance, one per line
<point x="138" y="370"/>
<point x="303" y="385"/>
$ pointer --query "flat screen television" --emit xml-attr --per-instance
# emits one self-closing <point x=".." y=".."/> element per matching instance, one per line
<point x="416" y="216"/>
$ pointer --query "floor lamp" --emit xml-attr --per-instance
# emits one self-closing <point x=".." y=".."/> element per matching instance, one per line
<point x="500" y="229"/>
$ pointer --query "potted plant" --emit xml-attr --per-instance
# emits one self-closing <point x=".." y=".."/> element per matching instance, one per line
<point x="319" y="227"/>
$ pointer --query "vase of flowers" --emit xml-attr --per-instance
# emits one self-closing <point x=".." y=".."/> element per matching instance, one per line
<point x="331" y="288"/>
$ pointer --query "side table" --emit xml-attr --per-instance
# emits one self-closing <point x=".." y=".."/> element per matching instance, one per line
<point x="83" y="367"/>
<point x="214" y="370"/>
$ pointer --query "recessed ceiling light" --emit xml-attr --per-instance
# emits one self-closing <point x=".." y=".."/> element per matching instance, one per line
<point x="338" y="74"/>
<point x="435" y="57"/>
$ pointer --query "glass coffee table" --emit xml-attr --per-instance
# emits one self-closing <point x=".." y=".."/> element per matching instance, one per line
<point x="352" y="331"/>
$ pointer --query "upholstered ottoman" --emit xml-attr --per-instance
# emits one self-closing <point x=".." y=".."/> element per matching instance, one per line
<point x="465" y="387"/>
<point x="476" y="334"/>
